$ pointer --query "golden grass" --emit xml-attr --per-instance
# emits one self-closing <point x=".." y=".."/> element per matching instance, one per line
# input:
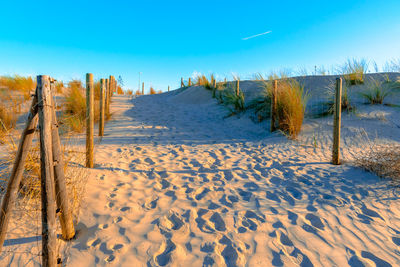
<point x="129" y="92"/>
<point x="119" y="90"/>
<point x="25" y="85"/>
<point x="291" y="104"/>
<point x="138" y="92"/>
<point x="152" y="91"/>
<point x="354" y="71"/>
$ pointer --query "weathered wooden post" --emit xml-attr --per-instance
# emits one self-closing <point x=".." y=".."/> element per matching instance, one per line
<point x="237" y="87"/>
<point x="18" y="169"/>
<point x="101" y="121"/>
<point x="143" y="88"/>
<point x="190" y="82"/>
<point x="49" y="235"/>
<point x="168" y="88"/>
<point x="67" y="224"/>
<point x="107" y="110"/>
<point x="215" y="83"/>
<point x="273" y="104"/>
<point x="182" y="83"/>
<point x="337" y="123"/>
<point x="89" y="120"/>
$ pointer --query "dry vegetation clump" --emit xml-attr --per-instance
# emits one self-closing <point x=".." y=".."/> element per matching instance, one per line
<point x="119" y="90"/>
<point x="329" y="105"/>
<point x="291" y="103"/>
<point x="129" y="92"/>
<point x="383" y="160"/>
<point x="152" y="91"/>
<point x="138" y="92"/>
<point x="74" y="107"/>
<point x="233" y="100"/>
<point x="354" y="70"/>
<point x="25" y="85"/>
<point x="202" y="80"/>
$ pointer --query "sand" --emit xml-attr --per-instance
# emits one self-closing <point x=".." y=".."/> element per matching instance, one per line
<point x="175" y="184"/>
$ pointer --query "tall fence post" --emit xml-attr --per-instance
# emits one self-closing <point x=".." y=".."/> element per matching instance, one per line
<point x="49" y="235"/>
<point x="89" y="120"/>
<point x="273" y="105"/>
<point x="182" y="83"/>
<point x="17" y="170"/>
<point x="237" y="87"/>
<point x="142" y="88"/>
<point x="168" y="88"/>
<point x="215" y="83"/>
<point x="190" y="82"/>
<point x="101" y="121"/>
<point x="67" y="225"/>
<point x="107" y="111"/>
<point x="337" y="123"/>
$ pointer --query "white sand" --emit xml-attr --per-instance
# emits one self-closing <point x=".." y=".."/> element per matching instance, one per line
<point x="175" y="184"/>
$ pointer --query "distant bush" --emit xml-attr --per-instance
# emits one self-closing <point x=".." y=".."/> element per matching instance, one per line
<point x="152" y="91"/>
<point x="354" y="70"/>
<point x="138" y="92"/>
<point x="26" y="85"/>
<point x="377" y="91"/>
<point x="129" y="92"/>
<point x="119" y="90"/>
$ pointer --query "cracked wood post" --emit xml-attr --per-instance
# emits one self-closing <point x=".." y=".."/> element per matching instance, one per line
<point x="102" y="109"/>
<point x="336" y="123"/>
<point x="273" y="105"/>
<point x="17" y="170"/>
<point x="65" y="213"/>
<point x="49" y="235"/>
<point x="89" y="120"/>
<point x="106" y="97"/>
<point x="237" y="87"/>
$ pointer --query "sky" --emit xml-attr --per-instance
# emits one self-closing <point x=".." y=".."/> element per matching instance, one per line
<point x="167" y="40"/>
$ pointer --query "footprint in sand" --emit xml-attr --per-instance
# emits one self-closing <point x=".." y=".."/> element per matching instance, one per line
<point x="164" y="257"/>
<point x="117" y="219"/>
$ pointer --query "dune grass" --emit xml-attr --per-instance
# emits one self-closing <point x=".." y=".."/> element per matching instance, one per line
<point x="129" y="92"/>
<point x="354" y="71"/>
<point x="202" y="80"/>
<point x="152" y="91"/>
<point x="25" y="85"/>
<point x="233" y="100"/>
<point x="377" y="91"/>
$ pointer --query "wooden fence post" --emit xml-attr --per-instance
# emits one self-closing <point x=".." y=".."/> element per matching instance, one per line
<point x="337" y="123"/>
<point x="190" y="82"/>
<point x="182" y="84"/>
<point x="273" y="105"/>
<point x="89" y="120"/>
<point x="168" y="88"/>
<point x="142" y="88"/>
<point x="49" y="235"/>
<point x="101" y="121"/>
<point x="67" y="224"/>
<point x="237" y="87"/>
<point x="215" y="83"/>
<point x="17" y="170"/>
<point x="106" y="97"/>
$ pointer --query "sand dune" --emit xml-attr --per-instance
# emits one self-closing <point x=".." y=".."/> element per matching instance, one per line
<point x="176" y="185"/>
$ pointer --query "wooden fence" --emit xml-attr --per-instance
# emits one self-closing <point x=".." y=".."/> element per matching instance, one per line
<point x="54" y="196"/>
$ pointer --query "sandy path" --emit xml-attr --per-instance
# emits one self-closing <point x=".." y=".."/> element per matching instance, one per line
<point x="176" y="185"/>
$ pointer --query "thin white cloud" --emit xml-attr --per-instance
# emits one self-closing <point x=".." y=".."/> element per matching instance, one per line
<point x="253" y="36"/>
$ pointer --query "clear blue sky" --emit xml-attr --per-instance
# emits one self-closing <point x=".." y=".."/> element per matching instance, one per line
<point x="168" y="39"/>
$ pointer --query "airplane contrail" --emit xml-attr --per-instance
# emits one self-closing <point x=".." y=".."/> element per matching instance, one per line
<point x="247" y="38"/>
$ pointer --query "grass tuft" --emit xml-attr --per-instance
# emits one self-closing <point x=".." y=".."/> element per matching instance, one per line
<point x="354" y="71"/>
<point x="377" y="91"/>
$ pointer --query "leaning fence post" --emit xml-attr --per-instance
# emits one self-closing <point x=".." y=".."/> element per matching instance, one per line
<point x="273" y="105"/>
<point x="337" y="122"/>
<point x="49" y="235"/>
<point x="89" y="120"/>
<point x="17" y="170"/>
<point x="67" y="224"/>
<point x="101" y="121"/>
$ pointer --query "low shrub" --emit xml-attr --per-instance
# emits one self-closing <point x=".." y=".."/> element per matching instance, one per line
<point x="152" y="91"/>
